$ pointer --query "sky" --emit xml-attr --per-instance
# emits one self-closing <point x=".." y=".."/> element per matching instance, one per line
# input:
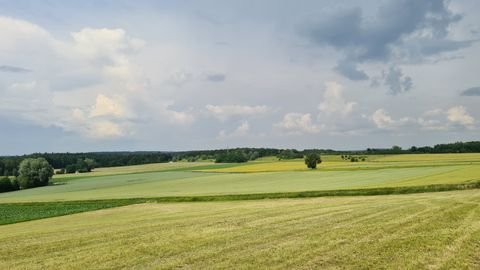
<point x="119" y="75"/>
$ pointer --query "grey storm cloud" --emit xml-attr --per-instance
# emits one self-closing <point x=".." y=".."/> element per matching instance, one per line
<point x="351" y="71"/>
<point x="216" y="77"/>
<point x="376" y="38"/>
<point x="396" y="81"/>
<point x="470" y="92"/>
<point x="13" y="69"/>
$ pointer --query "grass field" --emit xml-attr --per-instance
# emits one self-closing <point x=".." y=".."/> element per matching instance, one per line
<point x="335" y="163"/>
<point x="262" y="214"/>
<point x="184" y="183"/>
<point x="155" y="167"/>
<point x="417" y="231"/>
<point x="186" y="179"/>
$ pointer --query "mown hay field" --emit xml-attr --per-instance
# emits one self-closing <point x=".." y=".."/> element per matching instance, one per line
<point x="417" y="231"/>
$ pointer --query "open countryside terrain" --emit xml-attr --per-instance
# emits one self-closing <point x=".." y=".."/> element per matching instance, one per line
<point x="67" y="225"/>
<point x="267" y="176"/>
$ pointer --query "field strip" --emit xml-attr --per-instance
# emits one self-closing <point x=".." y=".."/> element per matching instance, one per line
<point x="26" y="211"/>
<point x="250" y="168"/>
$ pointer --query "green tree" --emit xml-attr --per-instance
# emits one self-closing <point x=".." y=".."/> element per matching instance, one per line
<point x="6" y="185"/>
<point x="91" y="164"/>
<point x="71" y="168"/>
<point x="312" y="159"/>
<point x="34" y="172"/>
<point x="396" y="149"/>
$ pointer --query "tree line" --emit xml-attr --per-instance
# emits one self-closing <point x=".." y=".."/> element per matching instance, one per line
<point x="84" y="162"/>
<point x="32" y="172"/>
<point x="457" y="147"/>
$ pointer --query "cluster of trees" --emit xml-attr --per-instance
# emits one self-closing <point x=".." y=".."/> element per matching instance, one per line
<point x="225" y="155"/>
<point x="105" y="159"/>
<point x="353" y="158"/>
<point x="32" y="172"/>
<point x="76" y="161"/>
<point x="82" y="166"/>
<point x="9" y="166"/>
<point x="457" y="147"/>
<point x="289" y="154"/>
<point x="236" y="156"/>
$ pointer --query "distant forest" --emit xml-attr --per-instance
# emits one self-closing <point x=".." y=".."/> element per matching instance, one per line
<point x="83" y="162"/>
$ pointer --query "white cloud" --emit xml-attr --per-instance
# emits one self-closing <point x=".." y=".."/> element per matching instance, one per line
<point x="459" y="115"/>
<point x="105" y="129"/>
<point x="298" y="123"/>
<point x="436" y="119"/>
<point x="78" y="121"/>
<point x="96" y="44"/>
<point x="99" y="90"/>
<point x="177" y="117"/>
<point x="105" y="106"/>
<point x="382" y="119"/>
<point x="241" y="131"/>
<point x="18" y="33"/>
<point x="333" y="101"/>
<point x="223" y="112"/>
<point x="433" y="120"/>
<point x="26" y="86"/>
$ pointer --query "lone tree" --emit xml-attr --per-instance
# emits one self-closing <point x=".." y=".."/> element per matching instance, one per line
<point x="34" y="172"/>
<point x="312" y="159"/>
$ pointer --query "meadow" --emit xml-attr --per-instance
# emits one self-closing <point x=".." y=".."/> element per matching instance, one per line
<point x="261" y="214"/>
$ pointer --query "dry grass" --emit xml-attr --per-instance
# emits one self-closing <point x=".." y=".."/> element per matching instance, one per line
<point x="420" y="231"/>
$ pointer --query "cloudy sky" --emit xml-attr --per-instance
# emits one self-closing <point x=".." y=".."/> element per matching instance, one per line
<point x="179" y="75"/>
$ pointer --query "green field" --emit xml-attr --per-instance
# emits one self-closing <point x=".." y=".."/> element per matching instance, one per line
<point x="261" y="214"/>
<point x="186" y="179"/>
<point x="417" y="231"/>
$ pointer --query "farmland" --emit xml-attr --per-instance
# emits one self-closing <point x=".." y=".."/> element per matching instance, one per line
<point x="431" y="230"/>
<point x="207" y="215"/>
<point x="200" y="179"/>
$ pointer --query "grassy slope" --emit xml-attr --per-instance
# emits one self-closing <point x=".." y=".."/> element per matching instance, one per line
<point x="181" y="183"/>
<point x="434" y="230"/>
